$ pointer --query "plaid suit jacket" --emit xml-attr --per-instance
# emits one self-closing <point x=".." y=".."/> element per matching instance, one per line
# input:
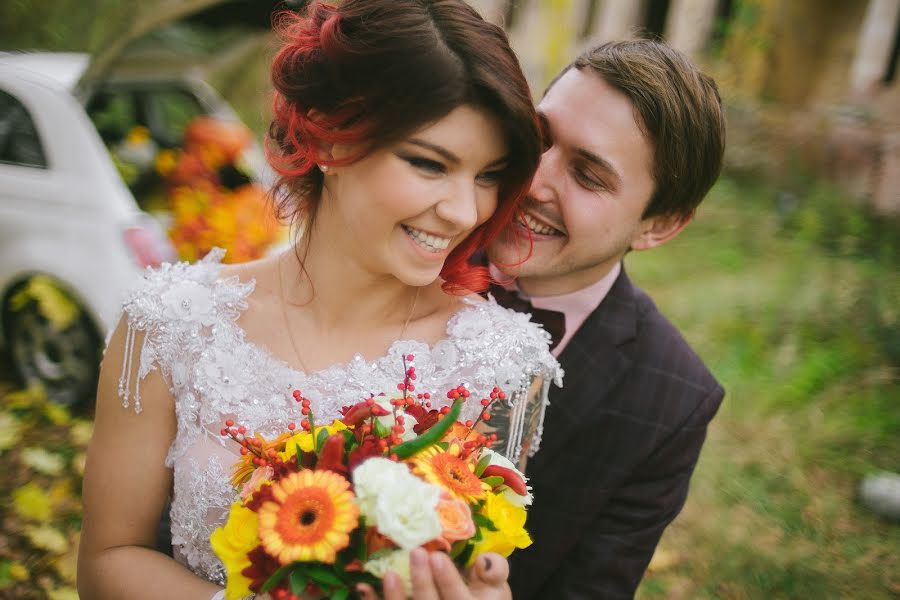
<point x="620" y="443"/>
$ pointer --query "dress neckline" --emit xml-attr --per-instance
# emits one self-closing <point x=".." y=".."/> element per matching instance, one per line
<point x="398" y="347"/>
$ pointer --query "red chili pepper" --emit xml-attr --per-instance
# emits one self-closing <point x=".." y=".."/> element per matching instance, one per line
<point x="512" y="479"/>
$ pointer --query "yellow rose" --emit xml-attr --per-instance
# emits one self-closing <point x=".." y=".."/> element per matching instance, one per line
<point x="231" y="543"/>
<point x="304" y="440"/>
<point x="509" y="520"/>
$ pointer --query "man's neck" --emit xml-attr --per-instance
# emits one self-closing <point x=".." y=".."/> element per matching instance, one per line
<point x="558" y="285"/>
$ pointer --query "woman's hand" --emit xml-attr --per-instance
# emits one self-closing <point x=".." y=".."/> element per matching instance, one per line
<point x="435" y="577"/>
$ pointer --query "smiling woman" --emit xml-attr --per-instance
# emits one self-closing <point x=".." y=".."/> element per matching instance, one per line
<point x="405" y="137"/>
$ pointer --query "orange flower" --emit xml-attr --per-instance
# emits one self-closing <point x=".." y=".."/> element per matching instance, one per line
<point x="310" y="517"/>
<point x="456" y="519"/>
<point x="447" y="470"/>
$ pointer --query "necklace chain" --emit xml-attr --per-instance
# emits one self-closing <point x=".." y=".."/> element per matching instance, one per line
<point x="284" y="314"/>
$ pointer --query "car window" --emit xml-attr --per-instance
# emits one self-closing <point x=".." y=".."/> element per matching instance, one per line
<point x="20" y="143"/>
<point x="114" y="114"/>
<point x="172" y="109"/>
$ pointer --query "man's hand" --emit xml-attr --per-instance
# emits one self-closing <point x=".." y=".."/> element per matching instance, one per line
<point x="434" y="577"/>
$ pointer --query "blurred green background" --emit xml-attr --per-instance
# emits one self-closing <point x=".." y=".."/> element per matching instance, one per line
<point x="787" y="284"/>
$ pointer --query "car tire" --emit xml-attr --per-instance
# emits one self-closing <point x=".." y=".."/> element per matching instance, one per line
<point x="65" y="362"/>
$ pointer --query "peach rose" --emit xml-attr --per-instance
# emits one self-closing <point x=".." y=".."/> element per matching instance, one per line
<point x="456" y="519"/>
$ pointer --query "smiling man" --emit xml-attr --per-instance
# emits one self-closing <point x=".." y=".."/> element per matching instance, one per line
<point x="635" y="135"/>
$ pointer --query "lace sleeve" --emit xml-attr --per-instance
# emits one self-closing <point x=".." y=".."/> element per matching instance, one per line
<point x="514" y="353"/>
<point x="173" y="307"/>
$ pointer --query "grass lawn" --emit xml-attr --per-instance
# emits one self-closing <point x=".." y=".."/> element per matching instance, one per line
<point x="797" y="316"/>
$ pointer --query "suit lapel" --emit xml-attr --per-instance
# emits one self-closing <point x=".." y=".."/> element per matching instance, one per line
<point x="594" y="362"/>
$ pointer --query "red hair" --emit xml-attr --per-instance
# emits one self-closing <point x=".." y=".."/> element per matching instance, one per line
<point x="370" y="73"/>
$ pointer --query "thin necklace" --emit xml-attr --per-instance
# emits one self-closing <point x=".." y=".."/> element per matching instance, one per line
<point x="412" y="309"/>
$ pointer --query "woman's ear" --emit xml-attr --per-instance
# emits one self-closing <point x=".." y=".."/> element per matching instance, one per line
<point x="325" y="150"/>
<point x="656" y="231"/>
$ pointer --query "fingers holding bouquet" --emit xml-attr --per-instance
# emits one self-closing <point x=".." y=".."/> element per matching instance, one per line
<point x="435" y="577"/>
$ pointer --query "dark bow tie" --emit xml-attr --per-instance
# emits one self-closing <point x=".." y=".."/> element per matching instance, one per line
<point x="554" y="322"/>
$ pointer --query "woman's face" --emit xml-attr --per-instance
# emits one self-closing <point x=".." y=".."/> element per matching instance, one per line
<point x="402" y="209"/>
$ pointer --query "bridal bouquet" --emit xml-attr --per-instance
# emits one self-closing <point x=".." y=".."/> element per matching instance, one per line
<point x="323" y="507"/>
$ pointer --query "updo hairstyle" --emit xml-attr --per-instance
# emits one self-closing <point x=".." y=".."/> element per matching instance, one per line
<point x="370" y="73"/>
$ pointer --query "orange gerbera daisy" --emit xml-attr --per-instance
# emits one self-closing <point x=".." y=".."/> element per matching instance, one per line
<point x="309" y="518"/>
<point x="446" y="469"/>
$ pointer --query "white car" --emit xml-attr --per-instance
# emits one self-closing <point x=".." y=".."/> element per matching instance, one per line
<point x="71" y="232"/>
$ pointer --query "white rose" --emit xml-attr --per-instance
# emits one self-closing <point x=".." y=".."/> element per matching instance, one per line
<point x="393" y="560"/>
<point x="407" y="512"/>
<point x="372" y="478"/>
<point x="514" y="498"/>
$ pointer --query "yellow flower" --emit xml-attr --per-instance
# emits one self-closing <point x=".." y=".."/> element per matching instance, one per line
<point x="310" y="517"/>
<point x="137" y="135"/>
<point x="304" y="440"/>
<point x="509" y="520"/>
<point x="448" y="471"/>
<point x="231" y="543"/>
<point x="166" y="161"/>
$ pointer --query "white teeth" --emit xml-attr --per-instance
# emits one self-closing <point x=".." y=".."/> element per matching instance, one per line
<point x="538" y="227"/>
<point x="429" y="242"/>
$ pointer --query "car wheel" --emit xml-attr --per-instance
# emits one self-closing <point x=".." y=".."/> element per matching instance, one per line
<point x="64" y="360"/>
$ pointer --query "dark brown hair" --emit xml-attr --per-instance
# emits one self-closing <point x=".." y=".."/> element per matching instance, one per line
<point x="679" y="110"/>
<point x="374" y="71"/>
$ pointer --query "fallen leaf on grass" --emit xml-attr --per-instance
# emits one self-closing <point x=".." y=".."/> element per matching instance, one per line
<point x="43" y="461"/>
<point x="45" y="537"/>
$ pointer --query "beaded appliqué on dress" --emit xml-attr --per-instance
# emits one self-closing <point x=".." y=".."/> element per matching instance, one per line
<point x="188" y="317"/>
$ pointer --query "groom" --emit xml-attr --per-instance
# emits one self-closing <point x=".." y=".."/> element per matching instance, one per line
<point x="635" y="135"/>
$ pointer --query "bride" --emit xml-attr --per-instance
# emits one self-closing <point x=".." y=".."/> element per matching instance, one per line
<point x="405" y="136"/>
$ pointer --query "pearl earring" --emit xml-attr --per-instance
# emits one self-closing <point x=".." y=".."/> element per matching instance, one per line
<point x="323" y="168"/>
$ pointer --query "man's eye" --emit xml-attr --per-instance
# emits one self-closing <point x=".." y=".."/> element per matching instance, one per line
<point x="587" y="181"/>
<point x="425" y="164"/>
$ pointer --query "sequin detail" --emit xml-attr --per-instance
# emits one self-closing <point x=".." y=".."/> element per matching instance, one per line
<point x="184" y="318"/>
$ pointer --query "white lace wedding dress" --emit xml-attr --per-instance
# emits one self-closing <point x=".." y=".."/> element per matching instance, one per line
<point x="189" y="315"/>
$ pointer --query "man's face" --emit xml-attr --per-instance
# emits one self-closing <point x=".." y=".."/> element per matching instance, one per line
<point x="591" y="188"/>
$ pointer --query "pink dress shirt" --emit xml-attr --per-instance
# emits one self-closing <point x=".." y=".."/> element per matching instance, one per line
<point x="576" y="306"/>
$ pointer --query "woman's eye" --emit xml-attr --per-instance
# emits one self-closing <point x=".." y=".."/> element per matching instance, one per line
<point x="490" y="178"/>
<point x="426" y="164"/>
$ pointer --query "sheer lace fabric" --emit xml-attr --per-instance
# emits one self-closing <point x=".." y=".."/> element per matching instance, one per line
<point x="188" y="315"/>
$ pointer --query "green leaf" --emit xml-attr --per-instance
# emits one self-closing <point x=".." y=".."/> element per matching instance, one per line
<point x="298" y="580"/>
<point x="340" y="594"/>
<point x="381" y="430"/>
<point x="493" y="480"/>
<point x="443" y="446"/>
<point x="458" y="548"/>
<point x="482" y="464"/>
<point x="483" y="521"/>
<point x="275" y="579"/>
<point x="299" y="456"/>
<point x="323" y="575"/>
<point x="358" y="542"/>
<point x="320" y="439"/>
<point x="465" y="555"/>
<point x="432" y="436"/>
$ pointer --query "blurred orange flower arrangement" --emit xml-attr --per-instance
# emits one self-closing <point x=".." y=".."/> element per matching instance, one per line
<point x="213" y="202"/>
